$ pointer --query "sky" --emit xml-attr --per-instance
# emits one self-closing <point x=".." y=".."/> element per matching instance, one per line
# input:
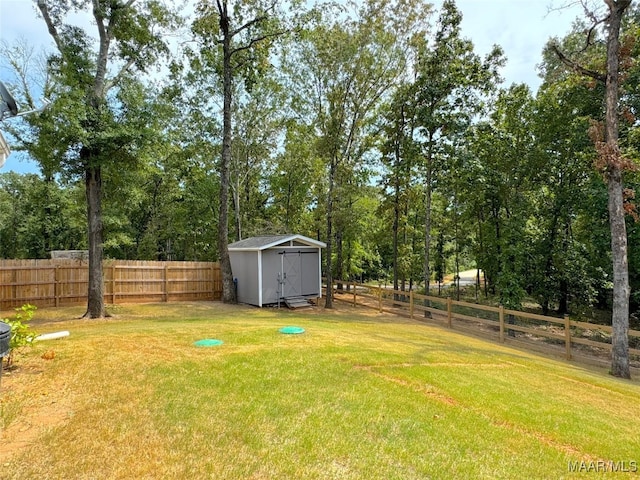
<point x="520" y="27"/>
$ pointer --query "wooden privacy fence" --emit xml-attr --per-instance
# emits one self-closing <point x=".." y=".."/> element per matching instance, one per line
<point x="499" y="321"/>
<point x="55" y="283"/>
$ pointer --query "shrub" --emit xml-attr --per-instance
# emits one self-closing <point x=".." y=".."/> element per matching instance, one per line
<point x="21" y="333"/>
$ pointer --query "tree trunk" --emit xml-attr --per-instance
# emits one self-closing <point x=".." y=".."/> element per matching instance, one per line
<point x="95" y="294"/>
<point x="288" y="204"/>
<point x="228" y="287"/>
<point x="395" y="227"/>
<point x="328" y="302"/>
<point x="236" y="210"/>
<point x="456" y="243"/>
<point x="427" y="222"/>
<point x="482" y="254"/>
<point x="339" y="259"/>
<point x="348" y="264"/>
<point x="396" y="197"/>
<point x="620" y="314"/>
<point x="563" y="302"/>
<point x="13" y="244"/>
<point x="498" y="267"/>
<point x="613" y="167"/>
<point x="47" y="230"/>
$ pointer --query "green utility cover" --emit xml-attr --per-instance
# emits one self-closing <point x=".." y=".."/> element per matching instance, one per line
<point x="208" y="342"/>
<point x="292" y="330"/>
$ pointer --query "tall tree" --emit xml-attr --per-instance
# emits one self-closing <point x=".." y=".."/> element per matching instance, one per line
<point x="612" y="163"/>
<point x="31" y="78"/>
<point x="341" y="69"/>
<point x="561" y="271"/>
<point x="502" y="164"/>
<point x="130" y="40"/>
<point x="257" y="127"/>
<point x="296" y="182"/>
<point x="245" y="48"/>
<point x="399" y="155"/>
<point x="451" y="80"/>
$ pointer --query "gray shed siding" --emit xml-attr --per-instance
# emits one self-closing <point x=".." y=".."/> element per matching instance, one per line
<point x="245" y="268"/>
<point x="271" y="268"/>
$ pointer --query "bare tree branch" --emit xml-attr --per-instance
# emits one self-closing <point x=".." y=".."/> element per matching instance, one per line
<point x="258" y="40"/>
<point x="256" y="20"/>
<point x="53" y="31"/>
<point x="576" y="67"/>
<point x="247" y="25"/>
<point x="591" y="32"/>
<point x="108" y="84"/>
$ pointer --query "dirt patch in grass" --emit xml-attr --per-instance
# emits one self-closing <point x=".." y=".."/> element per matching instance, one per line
<point x="29" y="408"/>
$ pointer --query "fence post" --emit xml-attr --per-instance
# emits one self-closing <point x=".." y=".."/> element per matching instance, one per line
<point x="501" y="314"/>
<point x="449" y="312"/>
<point x="380" y="298"/>
<point x="567" y="336"/>
<point x="411" y="303"/>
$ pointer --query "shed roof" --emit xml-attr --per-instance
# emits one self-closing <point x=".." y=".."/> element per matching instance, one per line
<point x="262" y="243"/>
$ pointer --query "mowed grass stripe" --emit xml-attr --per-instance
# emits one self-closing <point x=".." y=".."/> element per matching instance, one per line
<point x="372" y="428"/>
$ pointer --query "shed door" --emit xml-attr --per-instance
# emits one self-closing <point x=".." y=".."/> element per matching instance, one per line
<point x="291" y="275"/>
<point x="310" y="274"/>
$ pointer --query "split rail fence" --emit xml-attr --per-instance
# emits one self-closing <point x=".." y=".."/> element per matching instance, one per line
<point x="496" y="321"/>
<point x="57" y="283"/>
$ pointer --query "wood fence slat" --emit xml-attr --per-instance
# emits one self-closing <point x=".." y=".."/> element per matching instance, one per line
<point x="592" y="343"/>
<point x="392" y="302"/>
<point x="486" y="308"/>
<point x="65" y="282"/>
<point x="419" y="296"/>
<point x="534" y="316"/>
<point x="379" y="297"/>
<point x="422" y="308"/>
<point x="470" y="318"/>
<point x="591" y="326"/>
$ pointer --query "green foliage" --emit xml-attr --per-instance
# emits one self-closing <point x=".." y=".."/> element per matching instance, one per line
<point x="21" y="333"/>
<point x="364" y="93"/>
<point x="39" y="215"/>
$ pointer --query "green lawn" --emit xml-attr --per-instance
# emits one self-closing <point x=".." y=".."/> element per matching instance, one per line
<point x="357" y="396"/>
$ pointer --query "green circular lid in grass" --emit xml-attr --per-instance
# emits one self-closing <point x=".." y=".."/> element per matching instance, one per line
<point x="208" y="342"/>
<point x="292" y="330"/>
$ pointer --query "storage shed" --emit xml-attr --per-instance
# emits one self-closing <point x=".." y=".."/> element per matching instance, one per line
<point x="274" y="268"/>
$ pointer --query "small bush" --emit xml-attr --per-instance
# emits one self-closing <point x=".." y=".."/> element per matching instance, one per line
<point x="21" y="333"/>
